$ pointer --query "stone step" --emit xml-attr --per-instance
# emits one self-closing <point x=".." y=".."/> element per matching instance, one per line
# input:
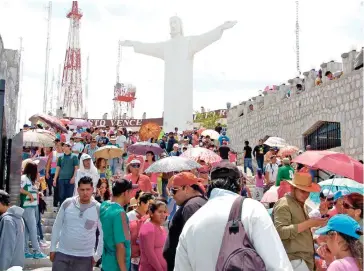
<point x="49" y="214"/>
<point x="49" y="221"/>
<point x="47" y="236"/>
<point x="47" y="229"/>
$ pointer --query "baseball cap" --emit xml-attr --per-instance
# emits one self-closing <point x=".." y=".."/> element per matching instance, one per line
<point x="343" y="224"/>
<point x="183" y="179"/>
<point x="134" y="161"/>
<point x="25" y="126"/>
<point x="121" y="186"/>
<point x="225" y="169"/>
<point x="175" y="145"/>
<point x="85" y="156"/>
<point x="67" y="143"/>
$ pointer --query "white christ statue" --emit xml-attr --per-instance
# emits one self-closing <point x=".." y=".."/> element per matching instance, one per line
<point x="178" y="53"/>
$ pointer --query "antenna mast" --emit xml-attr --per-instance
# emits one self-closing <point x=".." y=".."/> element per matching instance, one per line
<point x="51" y="98"/>
<point x="86" y="87"/>
<point x="59" y="87"/>
<point x="48" y="49"/>
<point x="297" y="39"/>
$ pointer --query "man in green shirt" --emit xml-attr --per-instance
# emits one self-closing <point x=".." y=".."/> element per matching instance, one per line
<point x="115" y="226"/>
<point x="285" y="172"/>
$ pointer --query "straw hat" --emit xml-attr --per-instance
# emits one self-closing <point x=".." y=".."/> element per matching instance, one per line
<point x="303" y="181"/>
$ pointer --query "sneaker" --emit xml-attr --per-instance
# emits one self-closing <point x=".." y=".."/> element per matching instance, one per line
<point x="29" y="255"/>
<point x="39" y="255"/>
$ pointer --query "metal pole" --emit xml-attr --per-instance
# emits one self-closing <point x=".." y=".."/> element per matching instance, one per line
<point x="2" y="152"/>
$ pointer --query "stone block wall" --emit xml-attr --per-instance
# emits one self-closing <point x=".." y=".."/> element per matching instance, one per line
<point x="339" y="100"/>
<point x="9" y="70"/>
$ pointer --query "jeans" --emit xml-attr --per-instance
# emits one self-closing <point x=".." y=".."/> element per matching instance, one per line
<point x="164" y="188"/>
<point x="113" y="165"/>
<point x="39" y="224"/>
<point x="50" y="184"/>
<point x="134" y="267"/>
<point x="30" y="230"/>
<point x="248" y="163"/>
<point x="64" y="262"/>
<point x="55" y="196"/>
<point x="260" y="162"/>
<point x="65" y="189"/>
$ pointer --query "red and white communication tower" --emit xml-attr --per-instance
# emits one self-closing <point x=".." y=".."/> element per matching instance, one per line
<point x="124" y="95"/>
<point x="71" y="88"/>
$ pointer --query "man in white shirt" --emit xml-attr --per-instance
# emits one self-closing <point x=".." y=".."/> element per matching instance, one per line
<point x="78" y="147"/>
<point x="199" y="243"/>
<point x="74" y="231"/>
<point x="121" y="139"/>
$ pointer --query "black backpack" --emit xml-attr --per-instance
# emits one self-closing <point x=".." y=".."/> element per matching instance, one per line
<point x="236" y="251"/>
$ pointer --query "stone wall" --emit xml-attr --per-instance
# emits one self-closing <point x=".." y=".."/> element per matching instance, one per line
<point x="9" y="70"/>
<point x="339" y="100"/>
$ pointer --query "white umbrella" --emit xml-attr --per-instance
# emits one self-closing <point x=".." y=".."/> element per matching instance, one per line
<point x="36" y="139"/>
<point x="342" y="182"/>
<point x="172" y="164"/>
<point x="212" y="133"/>
<point x="276" y="142"/>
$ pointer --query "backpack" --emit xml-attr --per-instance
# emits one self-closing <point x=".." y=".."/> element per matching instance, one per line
<point x="134" y="227"/>
<point x="236" y="251"/>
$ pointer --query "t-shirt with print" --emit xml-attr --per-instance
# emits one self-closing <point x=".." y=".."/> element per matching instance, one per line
<point x="27" y="185"/>
<point x="67" y="164"/>
<point x="284" y="173"/>
<point x="115" y="226"/>
<point x="259" y="151"/>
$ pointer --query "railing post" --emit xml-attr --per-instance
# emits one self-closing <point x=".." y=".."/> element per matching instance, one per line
<point x="2" y="143"/>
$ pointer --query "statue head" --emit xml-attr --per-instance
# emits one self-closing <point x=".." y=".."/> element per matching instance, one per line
<point x="175" y="23"/>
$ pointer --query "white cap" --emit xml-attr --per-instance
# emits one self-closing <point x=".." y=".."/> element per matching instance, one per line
<point x="135" y="161"/>
<point x="85" y="156"/>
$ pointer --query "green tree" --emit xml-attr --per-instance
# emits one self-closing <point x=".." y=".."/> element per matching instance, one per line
<point x="207" y="120"/>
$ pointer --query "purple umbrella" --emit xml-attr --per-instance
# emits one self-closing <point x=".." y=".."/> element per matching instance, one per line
<point x="49" y="120"/>
<point x="141" y="148"/>
<point x="81" y="123"/>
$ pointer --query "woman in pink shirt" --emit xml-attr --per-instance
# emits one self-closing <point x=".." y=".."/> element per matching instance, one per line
<point x="152" y="237"/>
<point x="136" y="177"/>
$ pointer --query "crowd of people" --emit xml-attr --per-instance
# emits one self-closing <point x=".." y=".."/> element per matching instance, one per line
<point x="112" y="214"/>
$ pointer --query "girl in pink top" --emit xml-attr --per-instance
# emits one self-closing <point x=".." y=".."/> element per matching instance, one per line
<point x="143" y="181"/>
<point x="152" y="237"/>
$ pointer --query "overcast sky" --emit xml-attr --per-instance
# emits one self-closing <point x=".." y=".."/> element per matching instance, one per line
<point x="258" y="51"/>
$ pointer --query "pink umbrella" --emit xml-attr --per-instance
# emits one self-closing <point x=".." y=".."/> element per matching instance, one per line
<point x="49" y="120"/>
<point x="335" y="162"/>
<point x="271" y="195"/>
<point x="80" y="123"/>
<point x="204" y="154"/>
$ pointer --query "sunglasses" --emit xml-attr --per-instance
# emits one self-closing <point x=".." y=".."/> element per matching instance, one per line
<point x="174" y="190"/>
<point x="135" y="165"/>
<point x="348" y="206"/>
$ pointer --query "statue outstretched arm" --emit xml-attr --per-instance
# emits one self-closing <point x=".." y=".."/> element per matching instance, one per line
<point x="150" y="49"/>
<point x="197" y="43"/>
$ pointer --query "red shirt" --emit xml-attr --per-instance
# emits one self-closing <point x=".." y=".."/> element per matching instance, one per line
<point x="142" y="180"/>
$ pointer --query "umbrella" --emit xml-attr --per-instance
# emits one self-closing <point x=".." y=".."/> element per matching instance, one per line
<point x="41" y="162"/>
<point x="286" y="151"/>
<point x="36" y="139"/>
<point x="212" y="133"/>
<point x="172" y="164"/>
<point x="65" y="121"/>
<point x="199" y="131"/>
<point x="108" y="152"/>
<point x="338" y="163"/>
<point x="204" y="154"/>
<point x="80" y="123"/>
<point x="149" y="130"/>
<point x="45" y="132"/>
<point x="142" y="148"/>
<point x="276" y="142"/>
<point x="49" y="120"/>
<point x="271" y="195"/>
